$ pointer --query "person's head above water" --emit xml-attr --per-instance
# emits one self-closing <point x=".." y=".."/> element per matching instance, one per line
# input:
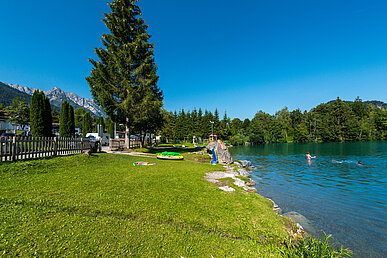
<point x="307" y="153"/>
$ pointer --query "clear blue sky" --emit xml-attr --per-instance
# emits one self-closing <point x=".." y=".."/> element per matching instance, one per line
<point x="239" y="56"/>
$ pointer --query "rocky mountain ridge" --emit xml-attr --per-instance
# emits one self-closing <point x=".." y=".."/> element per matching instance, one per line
<point x="57" y="96"/>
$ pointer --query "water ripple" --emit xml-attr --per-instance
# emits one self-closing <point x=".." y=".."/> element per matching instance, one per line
<point x="332" y="191"/>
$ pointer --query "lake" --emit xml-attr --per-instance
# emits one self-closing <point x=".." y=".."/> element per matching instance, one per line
<point x="332" y="192"/>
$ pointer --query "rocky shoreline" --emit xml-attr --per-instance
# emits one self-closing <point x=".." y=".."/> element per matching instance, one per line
<point x="241" y="178"/>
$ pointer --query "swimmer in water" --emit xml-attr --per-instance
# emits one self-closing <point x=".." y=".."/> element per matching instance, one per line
<point x="359" y="163"/>
<point x="309" y="157"/>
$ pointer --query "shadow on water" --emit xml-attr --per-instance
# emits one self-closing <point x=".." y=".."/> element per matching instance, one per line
<point x="332" y="192"/>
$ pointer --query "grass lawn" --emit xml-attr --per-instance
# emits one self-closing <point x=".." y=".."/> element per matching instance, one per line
<point x="103" y="205"/>
<point x="187" y="151"/>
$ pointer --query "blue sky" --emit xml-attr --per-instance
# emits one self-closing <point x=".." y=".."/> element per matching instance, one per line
<point x="237" y="56"/>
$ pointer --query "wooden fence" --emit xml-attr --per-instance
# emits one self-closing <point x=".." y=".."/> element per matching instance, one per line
<point x="26" y="147"/>
<point x="119" y="144"/>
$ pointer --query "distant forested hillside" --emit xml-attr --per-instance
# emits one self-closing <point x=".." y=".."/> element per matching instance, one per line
<point x="377" y="104"/>
<point x="9" y="93"/>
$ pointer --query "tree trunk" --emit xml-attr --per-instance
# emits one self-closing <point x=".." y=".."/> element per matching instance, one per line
<point x="142" y="139"/>
<point x="127" y="135"/>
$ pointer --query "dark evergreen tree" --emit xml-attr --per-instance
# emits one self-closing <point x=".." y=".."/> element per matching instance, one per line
<point x="195" y="120"/>
<point x="87" y="124"/>
<point x="182" y="125"/>
<point x="47" y="117"/>
<point x="78" y="117"/>
<point x="199" y="124"/>
<point x="169" y="129"/>
<point x="64" y="123"/>
<point x="359" y="108"/>
<point x="71" y="121"/>
<point x="216" y="121"/>
<point x="207" y="125"/>
<point x="110" y="127"/>
<point x="224" y="127"/>
<point x="37" y="121"/>
<point x="124" y="80"/>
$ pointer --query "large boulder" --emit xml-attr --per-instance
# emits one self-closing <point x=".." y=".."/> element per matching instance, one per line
<point x="210" y="146"/>
<point x="223" y="154"/>
<point x="302" y="220"/>
<point x="245" y="163"/>
<point x="244" y="172"/>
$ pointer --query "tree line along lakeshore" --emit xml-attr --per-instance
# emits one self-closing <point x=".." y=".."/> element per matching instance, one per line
<point x="334" y="121"/>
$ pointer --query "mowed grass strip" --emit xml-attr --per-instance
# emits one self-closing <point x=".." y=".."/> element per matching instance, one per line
<point x="103" y="205"/>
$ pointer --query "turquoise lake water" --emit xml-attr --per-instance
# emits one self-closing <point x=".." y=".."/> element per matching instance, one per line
<point x="332" y="192"/>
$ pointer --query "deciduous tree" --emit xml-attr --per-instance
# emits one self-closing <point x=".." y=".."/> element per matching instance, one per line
<point x="19" y="112"/>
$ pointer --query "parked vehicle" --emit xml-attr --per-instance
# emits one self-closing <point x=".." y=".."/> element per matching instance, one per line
<point x="93" y="137"/>
<point x="95" y="141"/>
<point x="7" y="135"/>
<point x="3" y="138"/>
<point x="104" y="139"/>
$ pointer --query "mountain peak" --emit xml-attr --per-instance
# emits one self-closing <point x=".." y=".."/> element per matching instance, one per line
<point x="57" y="96"/>
<point x="54" y="90"/>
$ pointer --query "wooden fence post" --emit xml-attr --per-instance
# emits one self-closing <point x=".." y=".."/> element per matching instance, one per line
<point x="55" y="146"/>
<point x="13" y="148"/>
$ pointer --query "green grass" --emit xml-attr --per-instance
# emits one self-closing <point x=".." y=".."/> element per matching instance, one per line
<point x="311" y="247"/>
<point x="189" y="147"/>
<point x="186" y="151"/>
<point x="103" y="205"/>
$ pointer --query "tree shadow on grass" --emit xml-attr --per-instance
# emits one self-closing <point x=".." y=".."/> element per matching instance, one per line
<point x="173" y="149"/>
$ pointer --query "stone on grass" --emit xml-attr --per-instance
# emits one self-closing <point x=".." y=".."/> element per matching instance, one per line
<point x="239" y="182"/>
<point x="227" y="189"/>
<point x="86" y="152"/>
<point x="244" y="172"/>
<point x="251" y="183"/>
<point x="245" y="163"/>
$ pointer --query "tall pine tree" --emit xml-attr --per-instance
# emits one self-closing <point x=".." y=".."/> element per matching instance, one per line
<point x="47" y="117"/>
<point x="37" y="114"/>
<point x="87" y="124"/>
<point x="71" y="121"/>
<point x="64" y="125"/>
<point x="124" y="80"/>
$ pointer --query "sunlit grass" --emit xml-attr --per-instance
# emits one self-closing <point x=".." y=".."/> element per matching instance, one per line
<point x="103" y="205"/>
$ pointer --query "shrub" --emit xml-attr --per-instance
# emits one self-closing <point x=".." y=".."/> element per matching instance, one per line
<point x="312" y="247"/>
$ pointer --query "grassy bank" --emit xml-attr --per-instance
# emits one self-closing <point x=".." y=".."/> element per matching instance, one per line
<point x="103" y="205"/>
